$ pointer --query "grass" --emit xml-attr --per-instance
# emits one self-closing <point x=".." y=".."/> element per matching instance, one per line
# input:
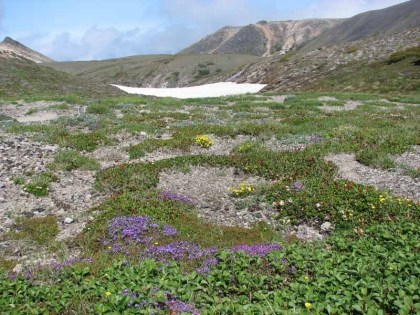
<point x="69" y="160"/>
<point x="368" y="264"/>
<point x="42" y="230"/>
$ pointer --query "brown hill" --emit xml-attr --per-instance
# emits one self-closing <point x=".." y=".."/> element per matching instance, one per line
<point x="263" y="38"/>
<point x="9" y="48"/>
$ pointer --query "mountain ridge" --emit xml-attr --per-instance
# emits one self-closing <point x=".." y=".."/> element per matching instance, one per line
<point x="262" y="38"/>
<point x="389" y="20"/>
<point x="10" y="48"/>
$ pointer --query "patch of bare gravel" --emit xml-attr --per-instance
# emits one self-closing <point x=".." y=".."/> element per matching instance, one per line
<point x="68" y="198"/>
<point x="398" y="184"/>
<point x="327" y="98"/>
<point x="37" y="112"/>
<point x="210" y="187"/>
<point x="410" y="159"/>
<point x="350" y="105"/>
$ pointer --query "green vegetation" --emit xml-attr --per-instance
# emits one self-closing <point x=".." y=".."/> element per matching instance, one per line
<point x="399" y="74"/>
<point x="42" y="230"/>
<point x="39" y="185"/>
<point x="368" y="265"/>
<point x="398" y="56"/>
<point x="69" y="160"/>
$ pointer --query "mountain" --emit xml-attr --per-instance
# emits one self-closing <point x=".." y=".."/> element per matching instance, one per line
<point x="393" y="19"/>
<point x="23" y="78"/>
<point x="381" y="63"/>
<point x="154" y="70"/>
<point x="263" y="38"/>
<point x="9" y="48"/>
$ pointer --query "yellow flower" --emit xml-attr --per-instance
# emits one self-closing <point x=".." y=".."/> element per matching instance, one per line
<point x="156" y="243"/>
<point x="306" y="278"/>
<point x="373" y="206"/>
<point x="107" y="293"/>
<point x="308" y="305"/>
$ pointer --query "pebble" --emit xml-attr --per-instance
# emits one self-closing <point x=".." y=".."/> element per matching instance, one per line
<point x="326" y="226"/>
<point x="68" y="220"/>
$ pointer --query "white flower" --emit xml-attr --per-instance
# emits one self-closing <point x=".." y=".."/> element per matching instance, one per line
<point x="318" y="205"/>
<point x="281" y="203"/>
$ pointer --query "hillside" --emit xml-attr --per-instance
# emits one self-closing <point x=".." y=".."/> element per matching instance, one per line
<point x="22" y="78"/>
<point x="9" y="48"/>
<point x="154" y="70"/>
<point x="261" y="39"/>
<point x="385" y="21"/>
<point x="358" y="66"/>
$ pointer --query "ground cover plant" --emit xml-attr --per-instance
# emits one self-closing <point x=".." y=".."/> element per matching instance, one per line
<point x="150" y="250"/>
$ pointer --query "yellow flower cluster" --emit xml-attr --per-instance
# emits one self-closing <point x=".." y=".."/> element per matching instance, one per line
<point x="244" y="147"/>
<point x="203" y="141"/>
<point x="243" y="189"/>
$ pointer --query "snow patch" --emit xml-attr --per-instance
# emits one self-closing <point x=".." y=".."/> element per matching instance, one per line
<point x="200" y="91"/>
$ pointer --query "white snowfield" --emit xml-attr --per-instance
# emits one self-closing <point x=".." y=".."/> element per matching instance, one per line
<point x="200" y="91"/>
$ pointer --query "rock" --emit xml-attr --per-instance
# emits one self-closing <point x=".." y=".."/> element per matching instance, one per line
<point x="143" y="134"/>
<point x="307" y="233"/>
<point x="326" y="226"/>
<point x="68" y="220"/>
<point x="18" y="268"/>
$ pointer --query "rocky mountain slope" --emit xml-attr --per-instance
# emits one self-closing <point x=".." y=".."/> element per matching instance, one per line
<point x="393" y="19"/>
<point x="263" y="38"/>
<point x="9" y="48"/>
<point x="360" y="61"/>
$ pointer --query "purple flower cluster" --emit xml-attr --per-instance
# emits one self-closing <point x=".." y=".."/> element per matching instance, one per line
<point x="70" y="262"/>
<point x="257" y="249"/>
<point x="124" y="231"/>
<point x="168" y="195"/>
<point x="206" y="265"/>
<point x="178" y="251"/>
<point x="315" y="139"/>
<point x="171" y="303"/>
<point x="178" y="306"/>
<point x="297" y="185"/>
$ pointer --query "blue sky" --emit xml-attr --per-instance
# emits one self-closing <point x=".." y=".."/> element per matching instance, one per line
<point x="100" y="29"/>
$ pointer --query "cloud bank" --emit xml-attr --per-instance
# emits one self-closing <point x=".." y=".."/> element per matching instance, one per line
<point x="180" y="23"/>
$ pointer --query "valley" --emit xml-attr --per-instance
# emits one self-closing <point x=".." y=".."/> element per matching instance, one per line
<point x="300" y="194"/>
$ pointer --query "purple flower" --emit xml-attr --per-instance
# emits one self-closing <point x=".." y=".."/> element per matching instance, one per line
<point x="167" y="195"/>
<point x="297" y="185"/>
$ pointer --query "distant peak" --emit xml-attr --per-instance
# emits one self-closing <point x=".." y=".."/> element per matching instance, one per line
<point x="9" y="40"/>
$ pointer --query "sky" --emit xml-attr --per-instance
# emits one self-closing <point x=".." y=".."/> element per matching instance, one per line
<point x="68" y="30"/>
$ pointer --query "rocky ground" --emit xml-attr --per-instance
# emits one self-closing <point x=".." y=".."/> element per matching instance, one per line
<point x="72" y="194"/>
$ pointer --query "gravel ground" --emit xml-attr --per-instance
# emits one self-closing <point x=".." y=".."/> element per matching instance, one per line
<point x="210" y="188"/>
<point x="398" y="184"/>
<point x="37" y="112"/>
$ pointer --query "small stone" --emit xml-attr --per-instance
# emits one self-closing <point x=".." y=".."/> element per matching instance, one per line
<point x="326" y="226"/>
<point x="143" y="134"/>
<point x="2" y="200"/>
<point x="18" y="268"/>
<point x="2" y="185"/>
<point x="68" y="220"/>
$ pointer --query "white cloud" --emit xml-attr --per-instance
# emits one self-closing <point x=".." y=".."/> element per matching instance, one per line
<point x="182" y="23"/>
<point x="104" y="43"/>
